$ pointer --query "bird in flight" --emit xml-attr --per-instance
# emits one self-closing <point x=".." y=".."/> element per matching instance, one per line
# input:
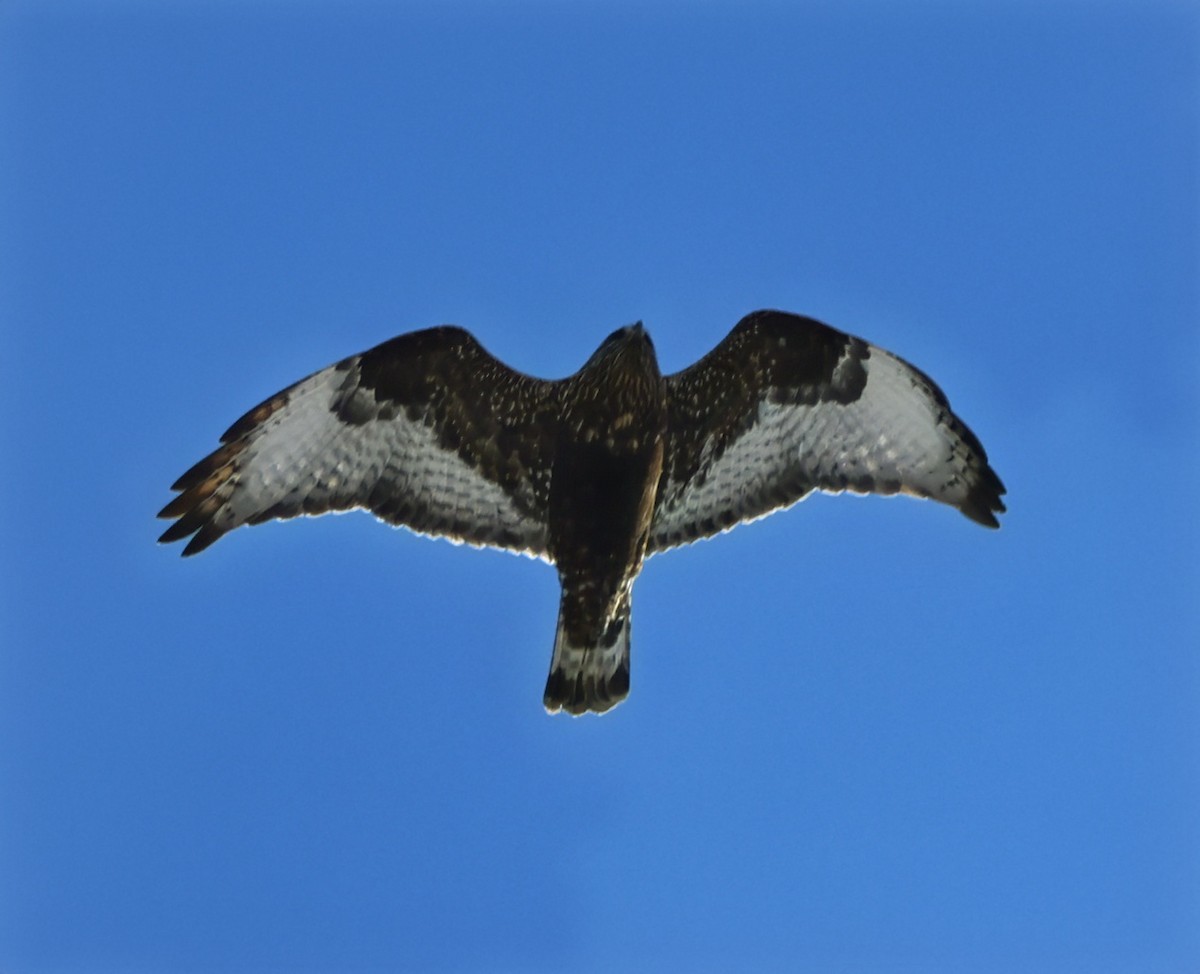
<point x="595" y="472"/>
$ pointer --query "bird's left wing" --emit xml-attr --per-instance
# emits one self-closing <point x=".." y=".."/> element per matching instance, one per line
<point x="427" y="430"/>
<point x="786" y="405"/>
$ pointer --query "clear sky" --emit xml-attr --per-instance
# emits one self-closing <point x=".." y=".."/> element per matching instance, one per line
<point x="865" y="735"/>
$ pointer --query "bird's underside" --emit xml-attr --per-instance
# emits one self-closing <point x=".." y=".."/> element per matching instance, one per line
<point x="593" y="472"/>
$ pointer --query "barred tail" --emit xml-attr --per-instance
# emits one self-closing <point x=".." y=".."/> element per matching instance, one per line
<point x="589" y="677"/>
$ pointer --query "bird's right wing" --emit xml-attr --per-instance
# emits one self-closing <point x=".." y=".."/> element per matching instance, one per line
<point x="786" y="405"/>
<point x="427" y="430"/>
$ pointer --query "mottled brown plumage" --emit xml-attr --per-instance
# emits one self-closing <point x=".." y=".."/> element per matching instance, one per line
<point x="595" y="472"/>
<point x="607" y="462"/>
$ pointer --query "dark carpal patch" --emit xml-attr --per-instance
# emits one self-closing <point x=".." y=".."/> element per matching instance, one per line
<point x="769" y="357"/>
<point x="500" y="422"/>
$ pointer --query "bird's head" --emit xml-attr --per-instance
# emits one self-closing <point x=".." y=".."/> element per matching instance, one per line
<point x="623" y="376"/>
<point x="628" y="348"/>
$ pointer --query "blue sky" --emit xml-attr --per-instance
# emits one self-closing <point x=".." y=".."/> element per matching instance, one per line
<point x="863" y="736"/>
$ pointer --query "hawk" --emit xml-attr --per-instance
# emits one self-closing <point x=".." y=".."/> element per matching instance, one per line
<point x="595" y="472"/>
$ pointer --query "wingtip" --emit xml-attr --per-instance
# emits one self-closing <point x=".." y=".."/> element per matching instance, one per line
<point x="176" y="508"/>
<point x="201" y="540"/>
<point x="983" y="502"/>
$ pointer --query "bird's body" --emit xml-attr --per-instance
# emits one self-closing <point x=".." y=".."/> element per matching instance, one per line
<point x="607" y="464"/>
<point x="595" y="472"/>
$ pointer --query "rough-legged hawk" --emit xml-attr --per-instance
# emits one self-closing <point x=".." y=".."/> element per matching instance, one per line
<point x="594" y="472"/>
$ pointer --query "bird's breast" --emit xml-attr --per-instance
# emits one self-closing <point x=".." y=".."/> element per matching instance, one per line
<point x="602" y="489"/>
